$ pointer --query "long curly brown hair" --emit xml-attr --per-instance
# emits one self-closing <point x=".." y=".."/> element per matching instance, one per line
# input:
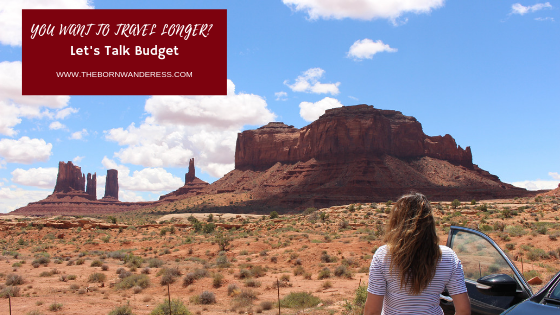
<point x="412" y="241"/>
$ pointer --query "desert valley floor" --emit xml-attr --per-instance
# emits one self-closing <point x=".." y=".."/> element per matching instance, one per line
<point x="77" y="265"/>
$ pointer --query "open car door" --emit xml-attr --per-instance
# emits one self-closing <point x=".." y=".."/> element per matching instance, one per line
<point x="500" y="284"/>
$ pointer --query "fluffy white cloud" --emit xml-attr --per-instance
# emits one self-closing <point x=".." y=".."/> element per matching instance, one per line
<point x="55" y="125"/>
<point x="12" y="198"/>
<point x="36" y="177"/>
<point x="229" y="111"/>
<point x="78" y="135"/>
<point x="366" y="48"/>
<point x="129" y="196"/>
<point x="183" y="127"/>
<point x="25" y="150"/>
<point x="10" y="15"/>
<point x="541" y="19"/>
<point x="362" y="9"/>
<point x="537" y="184"/>
<point x="147" y="179"/>
<point x="78" y="159"/>
<point x="312" y="111"/>
<point x="309" y="82"/>
<point x="517" y="8"/>
<point x="554" y="175"/>
<point x="281" y="96"/>
<point x="63" y="113"/>
<point x="14" y="106"/>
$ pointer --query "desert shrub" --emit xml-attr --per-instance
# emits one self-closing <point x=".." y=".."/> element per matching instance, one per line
<point x="266" y="305"/>
<point x="177" y="308"/>
<point x="274" y="215"/>
<point x="343" y="224"/>
<point x="515" y="230"/>
<point x="122" y="310"/>
<point x="342" y="271"/>
<point x="96" y="263"/>
<point x="42" y="260"/>
<point x="137" y="289"/>
<point x="258" y="271"/>
<point x="299" y="271"/>
<point x="307" y="276"/>
<point x="217" y="280"/>
<point x="327" y="285"/>
<point x="9" y="291"/>
<point x="120" y="270"/>
<point x="80" y="261"/>
<point x="189" y="279"/>
<point x="324" y="274"/>
<point x="232" y="289"/>
<point x="124" y="274"/>
<point x="97" y="277"/>
<point x="536" y="254"/>
<point x="360" y="296"/>
<point x="45" y="274"/>
<point x="326" y="258"/>
<point x="252" y="283"/>
<point x="531" y="274"/>
<point x="34" y="312"/>
<point x="166" y="279"/>
<point x="13" y="279"/>
<point x="274" y="259"/>
<point x="74" y="287"/>
<point x="207" y="297"/>
<point x="510" y="246"/>
<point x="455" y="203"/>
<point x="71" y="277"/>
<point x="134" y="280"/>
<point x="222" y="261"/>
<point x="145" y="271"/>
<point x="223" y="241"/>
<point x="542" y="230"/>
<point x="208" y="228"/>
<point x="155" y="263"/>
<point x="131" y="260"/>
<point x="55" y="307"/>
<point x="244" y="274"/>
<point x="299" y="300"/>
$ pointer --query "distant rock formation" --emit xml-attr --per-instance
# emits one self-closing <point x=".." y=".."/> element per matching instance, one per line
<point x="112" y="185"/>
<point x="355" y="154"/>
<point x="189" y="176"/>
<point x="69" y="197"/>
<point x="193" y="186"/>
<point x="552" y="193"/>
<point x="69" y="178"/>
<point x="91" y="186"/>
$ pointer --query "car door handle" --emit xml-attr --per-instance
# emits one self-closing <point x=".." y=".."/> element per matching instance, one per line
<point x="446" y="298"/>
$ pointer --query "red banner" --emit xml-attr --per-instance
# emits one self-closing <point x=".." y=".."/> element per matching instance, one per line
<point x="124" y="52"/>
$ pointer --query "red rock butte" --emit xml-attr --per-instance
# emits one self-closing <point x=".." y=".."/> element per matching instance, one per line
<point x="355" y="154"/>
<point x="350" y="154"/>
<point x="69" y="196"/>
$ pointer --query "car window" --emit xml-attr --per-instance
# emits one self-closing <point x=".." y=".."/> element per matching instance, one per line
<point x="478" y="256"/>
<point x="556" y="292"/>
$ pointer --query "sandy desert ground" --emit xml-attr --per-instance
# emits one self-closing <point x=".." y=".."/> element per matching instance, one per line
<point x="74" y="265"/>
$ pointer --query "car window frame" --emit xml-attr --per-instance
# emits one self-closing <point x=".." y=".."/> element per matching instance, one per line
<point x="520" y="279"/>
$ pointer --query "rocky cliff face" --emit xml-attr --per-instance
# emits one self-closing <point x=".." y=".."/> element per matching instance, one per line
<point x="342" y="134"/>
<point x="189" y="176"/>
<point x="193" y="186"/>
<point x="355" y="154"/>
<point x="91" y="186"/>
<point x="69" y="178"/>
<point x="112" y="185"/>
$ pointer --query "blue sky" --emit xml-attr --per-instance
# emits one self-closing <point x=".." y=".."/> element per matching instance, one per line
<point x="485" y="72"/>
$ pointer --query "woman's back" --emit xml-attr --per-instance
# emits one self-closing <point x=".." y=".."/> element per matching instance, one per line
<point x="399" y="300"/>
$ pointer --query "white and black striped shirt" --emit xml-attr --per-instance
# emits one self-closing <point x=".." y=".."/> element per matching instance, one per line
<point x="449" y="274"/>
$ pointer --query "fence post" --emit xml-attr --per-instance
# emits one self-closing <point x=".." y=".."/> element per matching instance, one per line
<point x="278" y="286"/>
<point x="169" y="298"/>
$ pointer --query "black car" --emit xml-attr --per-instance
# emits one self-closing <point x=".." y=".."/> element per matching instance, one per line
<point x="494" y="284"/>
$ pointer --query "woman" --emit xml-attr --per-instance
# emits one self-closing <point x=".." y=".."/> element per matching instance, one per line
<point x="408" y="274"/>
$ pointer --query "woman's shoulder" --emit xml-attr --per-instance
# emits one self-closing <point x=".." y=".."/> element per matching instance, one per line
<point x="447" y="253"/>
<point x="381" y="251"/>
